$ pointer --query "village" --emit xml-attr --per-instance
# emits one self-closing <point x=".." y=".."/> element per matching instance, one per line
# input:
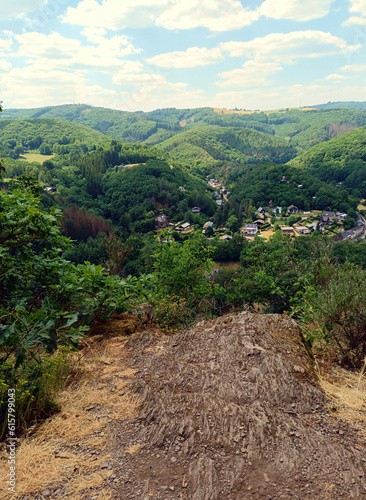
<point x="291" y="221"/>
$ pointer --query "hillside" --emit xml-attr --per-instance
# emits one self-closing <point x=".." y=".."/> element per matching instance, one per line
<point x="209" y="146"/>
<point x="341" y="160"/>
<point x="59" y="135"/>
<point x="284" y="185"/>
<point x="120" y="125"/>
<point x="301" y="127"/>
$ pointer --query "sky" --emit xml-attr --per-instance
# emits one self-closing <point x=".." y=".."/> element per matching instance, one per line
<point x="141" y="55"/>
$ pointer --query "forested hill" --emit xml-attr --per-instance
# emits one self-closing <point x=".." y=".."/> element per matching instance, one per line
<point x="301" y="127"/>
<point x="120" y="125"/>
<point x="342" y="104"/>
<point x="341" y="160"/>
<point x="49" y="134"/>
<point x="206" y="147"/>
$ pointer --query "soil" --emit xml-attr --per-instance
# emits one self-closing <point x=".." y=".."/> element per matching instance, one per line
<point x="232" y="409"/>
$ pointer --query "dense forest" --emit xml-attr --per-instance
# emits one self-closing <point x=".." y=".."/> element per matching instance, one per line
<point x="301" y="127"/>
<point x="341" y="161"/>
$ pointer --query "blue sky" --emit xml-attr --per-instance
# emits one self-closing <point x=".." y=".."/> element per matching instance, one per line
<point x="148" y="54"/>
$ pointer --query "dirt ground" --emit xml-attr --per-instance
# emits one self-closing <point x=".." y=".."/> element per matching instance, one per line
<point x="230" y="409"/>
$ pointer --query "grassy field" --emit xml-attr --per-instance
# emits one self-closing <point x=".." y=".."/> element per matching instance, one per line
<point x="30" y="157"/>
<point x="362" y="205"/>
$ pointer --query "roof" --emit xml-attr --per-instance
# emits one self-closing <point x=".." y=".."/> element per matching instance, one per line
<point x="250" y="226"/>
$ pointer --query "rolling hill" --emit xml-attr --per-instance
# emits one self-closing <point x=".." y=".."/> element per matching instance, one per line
<point x="301" y="127"/>
<point x="58" y="134"/>
<point x="206" y="147"/>
<point x="340" y="161"/>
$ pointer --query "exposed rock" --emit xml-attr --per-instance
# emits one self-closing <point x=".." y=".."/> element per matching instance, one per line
<point x="239" y="396"/>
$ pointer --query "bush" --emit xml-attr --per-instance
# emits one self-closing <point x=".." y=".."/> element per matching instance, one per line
<point x="341" y="308"/>
<point x="182" y="276"/>
<point x="46" y="302"/>
<point x="35" y="384"/>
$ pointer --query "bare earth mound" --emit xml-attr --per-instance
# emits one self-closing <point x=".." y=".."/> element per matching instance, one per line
<point x="232" y="410"/>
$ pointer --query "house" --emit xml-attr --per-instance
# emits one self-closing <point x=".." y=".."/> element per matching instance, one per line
<point x="226" y="237"/>
<point x="302" y="230"/>
<point x="327" y="218"/>
<point x="287" y="231"/>
<point x="292" y="210"/>
<point x="196" y="210"/>
<point x="250" y="230"/>
<point x="219" y="203"/>
<point x="183" y="227"/>
<point x="353" y="233"/>
<point x="50" y="189"/>
<point x="259" y="222"/>
<point x="208" y="224"/>
<point x="181" y="188"/>
<point x="277" y="210"/>
<point x="162" y="221"/>
<point x="261" y="210"/>
<point x="360" y="220"/>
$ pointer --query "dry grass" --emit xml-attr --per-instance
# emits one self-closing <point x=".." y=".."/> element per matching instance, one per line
<point x="347" y="391"/>
<point x="267" y="234"/>
<point x="67" y="450"/>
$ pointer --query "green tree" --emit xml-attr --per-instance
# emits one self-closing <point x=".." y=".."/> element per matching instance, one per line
<point x="45" y="149"/>
<point x="182" y="272"/>
<point x="233" y="223"/>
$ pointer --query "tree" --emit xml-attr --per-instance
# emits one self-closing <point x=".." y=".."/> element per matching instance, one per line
<point x="233" y="223"/>
<point x="182" y="285"/>
<point x="45" y="300"/>
<point x="45" y="149"/>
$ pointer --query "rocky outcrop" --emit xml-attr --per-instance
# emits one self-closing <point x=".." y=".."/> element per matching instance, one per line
<point x="232" y="409"/>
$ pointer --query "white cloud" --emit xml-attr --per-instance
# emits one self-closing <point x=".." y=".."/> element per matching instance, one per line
<point x="296" y="10"/>
<point x="56" y="51"/>
<point x="115" y="14"/>
<point x="252" y="74"/>
<point x="358" y="6"/>
<point x="335" y="77"/>
<point x="5" y="45"/>
<point x="357" y="68"/>
<point x="50" y="87"/>
<point x="288" y="47"/>
<point x="162" y="95"/>
<point x="5" y="65"/>
<point x="360" y="21"/>
<point x="215" y="15"/>
<point x="190" y="58"/>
